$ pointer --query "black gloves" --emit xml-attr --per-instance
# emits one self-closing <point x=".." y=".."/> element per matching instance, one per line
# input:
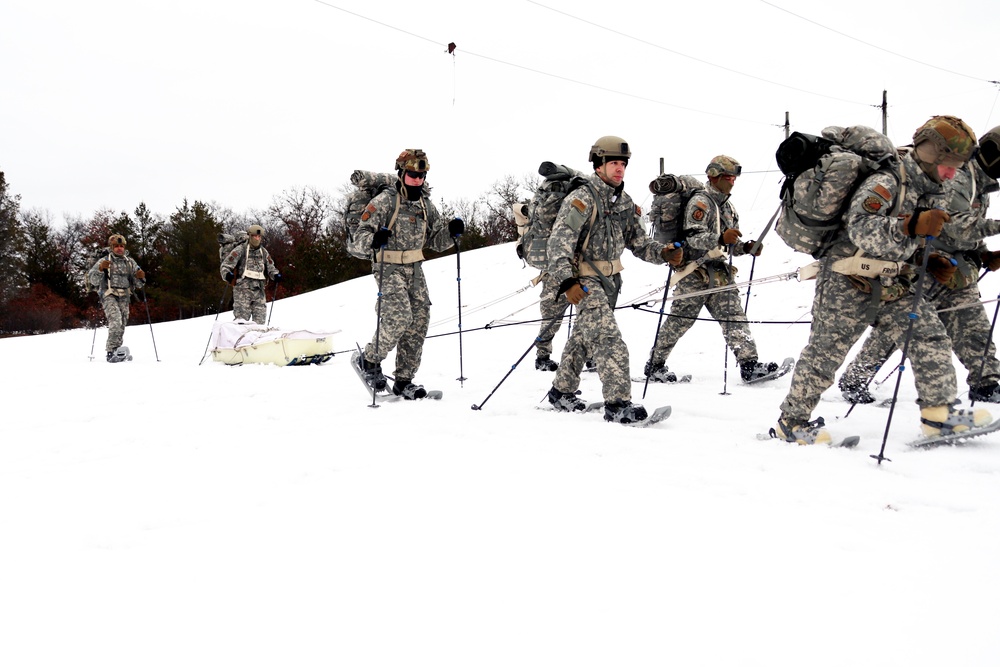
<point x="276" y="278"/>
<point x="381" y="238"/>
<point x="229" y="277"/>
<point x="456" y="228"/>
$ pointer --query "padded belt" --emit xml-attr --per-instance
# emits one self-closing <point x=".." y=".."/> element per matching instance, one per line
<point x="399" y="256"/>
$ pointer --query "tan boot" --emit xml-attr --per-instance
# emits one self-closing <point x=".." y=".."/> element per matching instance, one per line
<point x="945" y="419"/>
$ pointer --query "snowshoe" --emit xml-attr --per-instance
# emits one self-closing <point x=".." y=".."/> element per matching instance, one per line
<point x="946" y="420"/>
<point x="752" y="371"/>
<point x="545" y="364"/>
<point x="565" y="402"/>
<point x="659" y="373"/>
<point x="856" y="394"/>
<point x="408" y="390"/>
<point x="988" y="393"/>
<point x="121" y="354"/>
<point x="372" y="374"/>
<point x="802" y="432"/>
<point x="624" y="412"/>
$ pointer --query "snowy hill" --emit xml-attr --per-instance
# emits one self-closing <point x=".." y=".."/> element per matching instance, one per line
<point x="168" y="513"/>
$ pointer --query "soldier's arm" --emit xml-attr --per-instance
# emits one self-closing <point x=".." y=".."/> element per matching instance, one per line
<point x="869" y="226"/>
<point x="700" y="231"/>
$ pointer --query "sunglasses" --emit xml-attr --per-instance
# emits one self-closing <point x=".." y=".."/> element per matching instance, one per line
<point x="417" y="174"/>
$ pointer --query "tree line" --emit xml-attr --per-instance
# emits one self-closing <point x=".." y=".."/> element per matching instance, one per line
<point x="42" y="288"/>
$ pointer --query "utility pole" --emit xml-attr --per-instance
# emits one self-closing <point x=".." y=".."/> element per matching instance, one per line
<point x="885" y="114"/>
<point x="787" y="125"/>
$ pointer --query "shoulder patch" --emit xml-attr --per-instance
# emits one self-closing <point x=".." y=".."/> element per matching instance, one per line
<point x="700" y="204"/>
<point x="872" y="204"/>
<point x="578" y="205"/>
<point x="698" y="214"/>
<point x="881" y="191"/>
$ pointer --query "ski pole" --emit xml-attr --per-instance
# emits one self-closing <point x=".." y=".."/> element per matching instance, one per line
<point x="225" y="291"/>
<point x="659" y="322"/>
<point x="918" y="295"/>
<point x="378" y="311"/>
<point x="539" y="337"/>
<point x="273" y="298"/>
<point x="753" y="252"/>
<point x="458" y="281"/>
<point x="93" y="341"/>
<point x="150" y="320"/>
<point x="725" y="338"/>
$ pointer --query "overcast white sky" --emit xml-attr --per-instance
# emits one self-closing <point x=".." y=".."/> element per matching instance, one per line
<point x="113" y="102"/>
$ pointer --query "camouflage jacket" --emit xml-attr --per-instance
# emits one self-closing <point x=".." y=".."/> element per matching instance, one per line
<point x="615" y="228"/>
<point x="969" y="199"/>
<point x="119" y="279"/>
<point x="867" y="225"/>
<point x="243" y="259"/>
<point x="418" y="224"/>
<point x="708" y="213"/>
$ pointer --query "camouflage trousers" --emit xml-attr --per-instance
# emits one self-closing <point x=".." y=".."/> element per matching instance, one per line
<point x="250" y="301"/>
<point x="839" y="313"/>
<point x="595" y="336"/>
<point x="116" y="311"/>
<point x="552" y="310"/>
<point x="405" y="316"/>
<point x="724" y="306"/>
<point x="968" y="328"/>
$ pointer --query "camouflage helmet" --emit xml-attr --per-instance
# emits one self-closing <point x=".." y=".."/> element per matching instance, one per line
<point x="412" y="159"/>
<point x="723" y="165"/>
<point x="116" y="239"/>
<point x="954" y="140"/>
<point x="609" y="148"/>
<point x="254" y="230"/>
<point x="988" y="155"/>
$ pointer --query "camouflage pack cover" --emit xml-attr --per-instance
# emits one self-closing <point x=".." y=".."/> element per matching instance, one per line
<point x="670" y="197"/>
<point x="814" y="200"/>
<point x="367" y="184"/>
<point x="559" y="181"/>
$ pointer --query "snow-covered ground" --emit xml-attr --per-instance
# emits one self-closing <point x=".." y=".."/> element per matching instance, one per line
<point x="166" y="512"/>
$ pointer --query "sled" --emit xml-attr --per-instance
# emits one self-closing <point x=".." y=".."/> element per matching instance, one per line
<point x="241" y="342"/>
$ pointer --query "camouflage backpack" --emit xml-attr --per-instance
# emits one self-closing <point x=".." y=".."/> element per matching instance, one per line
<point x="559" y="180"/>
<point x="367" y="185"/>
<point x="670" y="197"/>
<point x="88" y="286"/>
<point x="228" y="242"/>
<point x="821" y="174"/>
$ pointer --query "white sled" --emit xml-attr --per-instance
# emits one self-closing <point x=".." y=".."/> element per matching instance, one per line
<point x="241" y="342"/>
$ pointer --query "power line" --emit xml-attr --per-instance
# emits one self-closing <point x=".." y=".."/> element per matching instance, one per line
<point x="547" y="74"/>
<point x="698" y="60"/>
<point x="875" y="46"/>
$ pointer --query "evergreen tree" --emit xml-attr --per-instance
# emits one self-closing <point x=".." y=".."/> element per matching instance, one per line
<point x="189" y="275"/>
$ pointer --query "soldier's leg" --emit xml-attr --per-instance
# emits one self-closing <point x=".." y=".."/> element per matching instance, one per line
<point x="258" y="305"/>
<point x="395" y="315"/>
<point x="116" y="325"/>
<point x="929" y="350"/>
<point x="969" y="330"/>
<point x="681" y="318"/>
<point x="726" y="308"/>
<point x="873" y="354"/>
<point x="241" y="302"/>
<point x="551" y="310"/>
<point x="839" y="318"/>
<point x="410" y="348"/>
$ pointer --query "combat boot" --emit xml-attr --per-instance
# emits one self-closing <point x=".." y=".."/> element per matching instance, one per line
<point x="659" y="372"/>
<point x="751" y="370"/>
<point x="801" y="431"/>
<point x="373" y="373"/>
<point x="568" y="402"/>
<point x="408" y="390"/>
<point x="624" y="412"/>
<point x="987" y="393"/>
<point x="545" y="364"/>
<point x="945" y="420"/>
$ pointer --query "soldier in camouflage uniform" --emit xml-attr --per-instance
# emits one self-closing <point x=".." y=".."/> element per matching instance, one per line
<point x="710" y="223"/>
<point x="845" y="304"/>
<point x="395" y="227"/>
<point x="116" y="275"/>
<point x="247" y="268"/>
<point x="956" y="295"/>
<point x="551" y="309"/>
<point x="596" y="222"/>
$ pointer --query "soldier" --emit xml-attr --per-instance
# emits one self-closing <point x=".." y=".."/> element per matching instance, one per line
<point x="710" y="225"/>
<point x="396" y="226"/>
<point x="844" y="305"/>
<point x="116" y="276"/>
<point x="551" y="310"/>
<point x="956" y="295"/>
<point x="596" y="222"/>
<point x="247" y="268"/>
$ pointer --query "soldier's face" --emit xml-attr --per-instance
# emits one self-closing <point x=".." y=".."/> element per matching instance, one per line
<point x="118" y="249"/>
<point x="613" y="172"/>
<point x="725" y="183"/>
<point x="946" y="172"/>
